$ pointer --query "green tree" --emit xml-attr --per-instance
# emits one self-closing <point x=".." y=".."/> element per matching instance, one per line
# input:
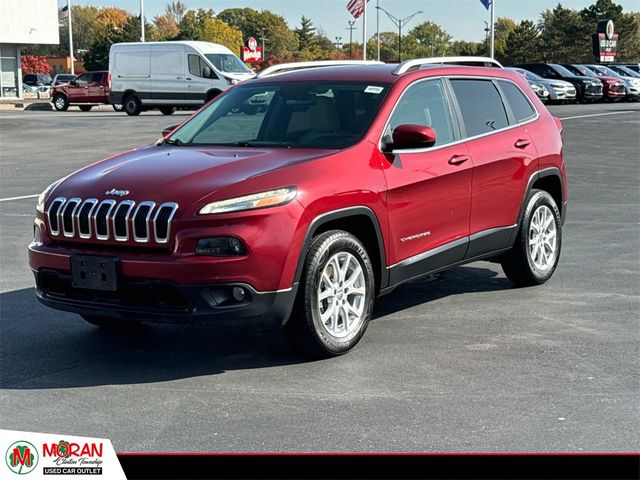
<point x="282" y="41"/>
<point x="306" y="34"/>
<point x="462" y="47"/>
<point x="523" y="44"/>
<point x="504" y="26"/>
<point x="565" y="38"/>
<point x="427" y="39"/>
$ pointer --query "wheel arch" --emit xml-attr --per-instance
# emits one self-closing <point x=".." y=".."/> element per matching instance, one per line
<point x="211" y="94"/>
<point x="361" y="222"/>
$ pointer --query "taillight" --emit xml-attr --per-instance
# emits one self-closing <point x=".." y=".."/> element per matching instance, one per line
<point x="109" y="80"/>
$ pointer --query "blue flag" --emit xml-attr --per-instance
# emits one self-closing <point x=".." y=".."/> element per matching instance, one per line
<point x="486" y="3"/>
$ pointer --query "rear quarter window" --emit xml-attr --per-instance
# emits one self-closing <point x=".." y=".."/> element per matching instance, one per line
<point x="517" y="100"/>
<point x="480" y="105"/>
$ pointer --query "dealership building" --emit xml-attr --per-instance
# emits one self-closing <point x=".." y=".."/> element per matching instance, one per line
<point x="21" y="26"/>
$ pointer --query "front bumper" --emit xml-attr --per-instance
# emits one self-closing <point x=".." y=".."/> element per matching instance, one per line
<point x="158" y="301"/>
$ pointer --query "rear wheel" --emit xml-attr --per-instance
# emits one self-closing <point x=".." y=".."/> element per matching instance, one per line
<point x="167" y="110"/>
<point x="336" y="300"/>
<point x="132" y="105"/>
<point x="60" y="102"/>
<point x="536" y="251"/>
<point x="85" y="108"/>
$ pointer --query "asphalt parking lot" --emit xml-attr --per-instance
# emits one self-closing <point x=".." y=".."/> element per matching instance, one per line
<point x="457" y="362"/>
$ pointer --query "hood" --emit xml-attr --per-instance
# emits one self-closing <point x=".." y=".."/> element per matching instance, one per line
<point x="177" y="174"/>
<point x="560" y="83"/>
<point x="607" y="78"/>
<point x="239" y="76"/>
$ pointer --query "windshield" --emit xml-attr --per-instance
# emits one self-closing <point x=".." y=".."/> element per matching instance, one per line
<point x="563" y="71"/>
<point x="227" y="62"/>
<point x="604" y="70"/>
<point x="300" y="114"/>
<point x="626" y="71"/>
<point x="530" y="75"/>
<point x="587" y="72"/>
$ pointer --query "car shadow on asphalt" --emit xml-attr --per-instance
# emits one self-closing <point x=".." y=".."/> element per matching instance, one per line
<point x="41" y="348"/>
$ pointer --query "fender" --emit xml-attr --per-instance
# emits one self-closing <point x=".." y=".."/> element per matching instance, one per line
<point x="326" y="217"/>
<point x="535" y="176"/>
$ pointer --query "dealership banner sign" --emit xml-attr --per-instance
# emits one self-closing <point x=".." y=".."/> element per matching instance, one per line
<point x="605" y="42"/>
<point x="31" y="455"/>
<point x="251" y="53"/>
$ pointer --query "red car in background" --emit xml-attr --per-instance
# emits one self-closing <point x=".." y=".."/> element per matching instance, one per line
<point x="85" y="91"/>
<point x="612" y="87"/>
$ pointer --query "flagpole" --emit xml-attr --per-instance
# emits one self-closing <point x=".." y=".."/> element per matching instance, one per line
<point x="73" y="72"/>
<point x="493" y="27"/>
<point x="142" y="20"/>
<point x="378" y="27"/>
<point x="364" y="31"/>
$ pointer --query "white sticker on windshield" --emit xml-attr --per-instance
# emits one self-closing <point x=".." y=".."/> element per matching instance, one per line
<point x="373" y="89"/>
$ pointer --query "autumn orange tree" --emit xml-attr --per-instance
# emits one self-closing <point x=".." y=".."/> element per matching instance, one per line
<point x="34" y="64"/>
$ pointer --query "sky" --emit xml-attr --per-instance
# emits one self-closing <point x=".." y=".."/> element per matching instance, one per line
<point x="463" y="19"/>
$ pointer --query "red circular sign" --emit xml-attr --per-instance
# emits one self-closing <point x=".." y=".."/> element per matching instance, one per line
<point x="252" y="44"/>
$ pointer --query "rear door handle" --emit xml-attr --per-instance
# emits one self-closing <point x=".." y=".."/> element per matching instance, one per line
<point x="458" y="159"/>
<point x="522" y="143"/>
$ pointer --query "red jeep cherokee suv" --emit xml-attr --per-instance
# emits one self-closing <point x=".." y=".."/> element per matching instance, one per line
<point x="295" y="200"/>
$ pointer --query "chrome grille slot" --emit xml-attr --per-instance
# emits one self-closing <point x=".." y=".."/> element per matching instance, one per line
<point x="162" y="221"/>
<point x="141" y="220"/>
<point x="52" y="214"/>
<point x="120" y="220"/>
<point x="65" y="217"/>
<point x="109" y="219"/>
<point x="101" y="219"/>
<point x="83" y="217"/>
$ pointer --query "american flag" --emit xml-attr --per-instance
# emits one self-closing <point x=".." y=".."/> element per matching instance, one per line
<point x="356" y="7"/>
<point x="64" y="13"/>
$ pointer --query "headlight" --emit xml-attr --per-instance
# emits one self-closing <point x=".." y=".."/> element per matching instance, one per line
<point x="42" y="198"/>
<point x="271" y="198"/>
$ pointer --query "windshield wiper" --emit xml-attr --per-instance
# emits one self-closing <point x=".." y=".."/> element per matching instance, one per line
<point x="177" y="142"/>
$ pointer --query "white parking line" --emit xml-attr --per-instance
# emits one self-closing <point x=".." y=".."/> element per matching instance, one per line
<point x="597" y="114"/>
<point x="10" y="199"/>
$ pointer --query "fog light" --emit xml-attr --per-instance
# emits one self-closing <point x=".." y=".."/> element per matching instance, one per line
<point x="220" y="247"/>
<point x="238" y="294"/>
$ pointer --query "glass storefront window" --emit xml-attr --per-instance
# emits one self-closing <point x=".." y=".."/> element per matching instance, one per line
<point x="8" y="71"/>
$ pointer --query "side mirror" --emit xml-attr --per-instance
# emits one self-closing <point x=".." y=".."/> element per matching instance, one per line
<point x="167" y="130"/>
<point x="413" y="136"/>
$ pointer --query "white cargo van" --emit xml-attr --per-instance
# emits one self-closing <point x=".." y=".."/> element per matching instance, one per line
<point x="167" y="75"/>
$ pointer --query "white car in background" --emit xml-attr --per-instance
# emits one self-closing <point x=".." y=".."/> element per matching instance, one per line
<point x="559" y="90"/>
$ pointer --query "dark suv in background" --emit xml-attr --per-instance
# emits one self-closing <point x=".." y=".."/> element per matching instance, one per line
<point x="587" y="88"/>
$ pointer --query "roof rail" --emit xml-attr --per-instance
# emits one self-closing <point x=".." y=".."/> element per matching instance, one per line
<point x="470" y="61"/>
<point x="288" y="67"/>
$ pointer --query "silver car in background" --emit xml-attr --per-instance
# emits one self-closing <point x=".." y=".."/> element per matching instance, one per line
<point x="559" y="90"/>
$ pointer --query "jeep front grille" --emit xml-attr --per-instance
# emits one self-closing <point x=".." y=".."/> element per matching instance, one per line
<point x="107" y="219"/>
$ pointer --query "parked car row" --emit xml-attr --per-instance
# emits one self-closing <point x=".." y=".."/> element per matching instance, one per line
<point x="581" y="83"/>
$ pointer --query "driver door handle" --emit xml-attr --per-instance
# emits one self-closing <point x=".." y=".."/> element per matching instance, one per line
<point x="522" y="143"/>
<point x="458" y="159"/>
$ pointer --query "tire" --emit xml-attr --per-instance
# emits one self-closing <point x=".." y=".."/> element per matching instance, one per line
<point x="85" y="108"/>
<point x="132" y="105"/>
<point x="354" y="289"/>
<point x="110" y="323"/>
<point x="60" y="102"/>
<point x="526" y="264"/>
<point x="167" y="110"/>
<point x="118" y="107"/>
<point x="211" y="95"/>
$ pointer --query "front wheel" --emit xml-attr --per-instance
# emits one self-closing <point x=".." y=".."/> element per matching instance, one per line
<point x="536" y="251"/>
<point x="60" y="102"/>
<point x="336" y="301"/>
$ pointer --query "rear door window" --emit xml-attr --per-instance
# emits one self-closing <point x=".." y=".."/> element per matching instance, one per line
<point x="481" y="106"/>
<point x="520" y="106"/>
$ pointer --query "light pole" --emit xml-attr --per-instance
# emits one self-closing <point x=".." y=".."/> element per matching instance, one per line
<point x="399" y="23"/>
<point x="263" y="39"/>
<point x="351" y="28"/>
<point x="486" y="32"/>
<point x="142" y="20"/>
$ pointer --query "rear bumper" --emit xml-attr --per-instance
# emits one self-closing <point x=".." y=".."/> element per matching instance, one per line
<point x="157" y="301"/>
